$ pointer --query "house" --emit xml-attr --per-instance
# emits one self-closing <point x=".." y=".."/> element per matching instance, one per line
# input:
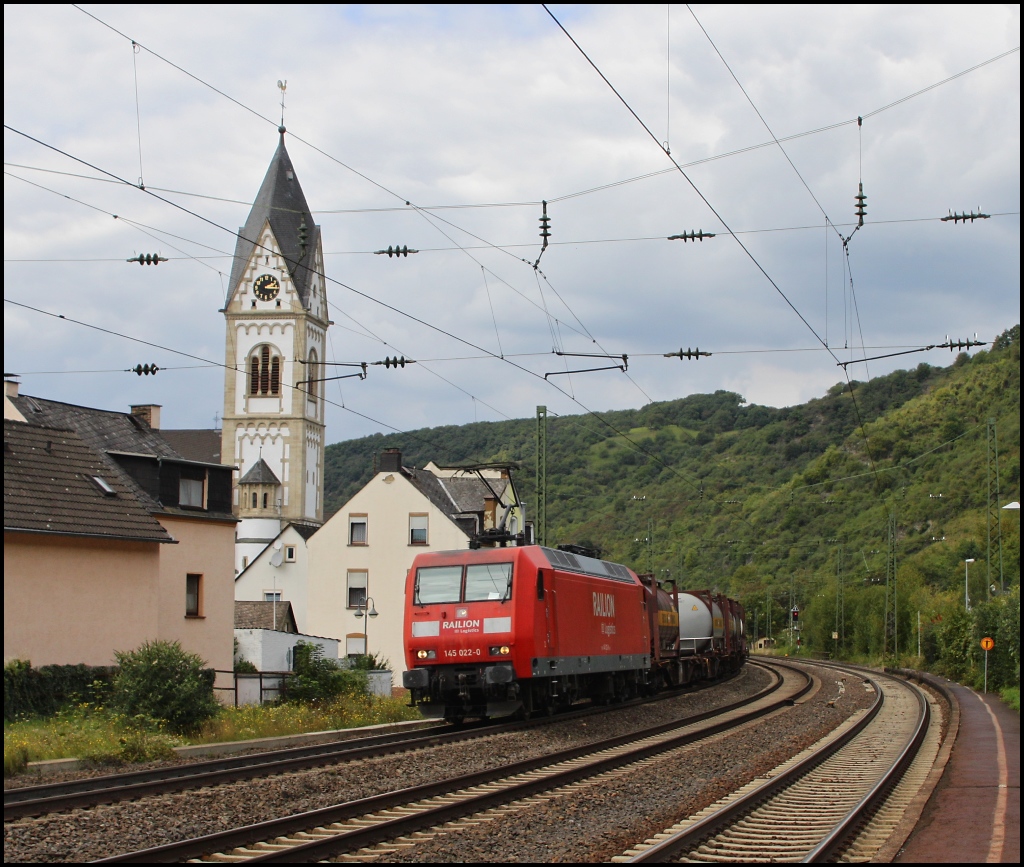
<point x="359" y="559"/>
<point x="279" y="571"/>
<point x="347" y="578"/>
<point x="111" y="538"/>
<point x="266" y="635"/>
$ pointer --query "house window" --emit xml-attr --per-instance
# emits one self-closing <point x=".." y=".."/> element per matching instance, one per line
<point x="265" y="500"/>
<point x="255" y="499"/>
<point x="356" y="590"/>
<point x="357" y="530"/>
<point x="264" y="372"/>
<point x="193" y="595"/>
<point x="190" y="493"/>
<point x="289" y="554"/>
<point x="271" y="595"/>
<point x="417" y="529"/>
<point x="355" y="644"/>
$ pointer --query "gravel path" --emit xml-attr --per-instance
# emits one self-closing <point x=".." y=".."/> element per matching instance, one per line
<point x="116" y="828"/>
<point x="603" y="820"/>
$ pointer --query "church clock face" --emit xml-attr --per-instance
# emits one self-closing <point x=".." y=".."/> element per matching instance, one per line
<point x="266" y="287"/>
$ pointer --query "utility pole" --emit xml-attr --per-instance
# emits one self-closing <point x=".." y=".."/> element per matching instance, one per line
<point x="540" y="530"/>
<point x="995" y="513"/>
<point x="891" y="637"/>
<point x="840" y="600"/>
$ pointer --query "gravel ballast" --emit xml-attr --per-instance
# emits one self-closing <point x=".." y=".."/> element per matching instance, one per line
<point x="597" y="820"/>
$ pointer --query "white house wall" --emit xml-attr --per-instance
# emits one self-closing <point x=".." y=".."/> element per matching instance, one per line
<point x="387" y="501"/>
<point x="290" y="579"/>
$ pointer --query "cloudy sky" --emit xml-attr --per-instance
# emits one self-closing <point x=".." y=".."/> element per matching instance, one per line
<point x="443" y="128"/>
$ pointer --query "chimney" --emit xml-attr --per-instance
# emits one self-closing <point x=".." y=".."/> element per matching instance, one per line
<point x="149" y="413"/>
<point x="391" y="461"/>
<point x="11" y="384"/>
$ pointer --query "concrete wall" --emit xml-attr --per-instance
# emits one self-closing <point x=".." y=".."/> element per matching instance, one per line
<point x="69" y="601"/>
<point x="269" y="650"/>
<point x="388" y="499"/>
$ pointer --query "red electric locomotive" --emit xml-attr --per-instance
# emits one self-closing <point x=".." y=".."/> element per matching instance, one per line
<point x="493" y="631"/>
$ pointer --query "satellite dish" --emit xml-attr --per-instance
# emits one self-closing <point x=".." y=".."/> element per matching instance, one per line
<point x="277" y="558"/>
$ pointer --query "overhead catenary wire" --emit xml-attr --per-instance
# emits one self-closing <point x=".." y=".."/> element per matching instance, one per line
<point x="405" y="314"/>
<point x="524" y="204"/>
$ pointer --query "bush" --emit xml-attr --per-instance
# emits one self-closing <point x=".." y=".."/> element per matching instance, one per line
<point x="161" y="681"/>
<point x="318" y="680"/>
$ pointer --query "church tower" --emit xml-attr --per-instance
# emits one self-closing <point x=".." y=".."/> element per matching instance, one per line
<point x="277" y="320"/>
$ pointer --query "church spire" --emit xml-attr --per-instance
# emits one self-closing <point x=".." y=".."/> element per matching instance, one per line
<point x="280" y="202"/>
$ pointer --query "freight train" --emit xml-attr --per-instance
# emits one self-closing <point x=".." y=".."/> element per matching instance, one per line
<point x="522" y="630"/>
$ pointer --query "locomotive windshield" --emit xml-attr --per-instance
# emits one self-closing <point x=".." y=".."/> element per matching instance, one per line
<point x="489" y="581"/>
<point x="438" y="584"/>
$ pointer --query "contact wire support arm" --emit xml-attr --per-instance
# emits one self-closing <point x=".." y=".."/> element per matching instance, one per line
<point x="623" y="367"/>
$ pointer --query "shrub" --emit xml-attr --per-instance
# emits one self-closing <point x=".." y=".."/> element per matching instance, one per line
<point x="318" y="680"/>
<point x="162" y="681"/>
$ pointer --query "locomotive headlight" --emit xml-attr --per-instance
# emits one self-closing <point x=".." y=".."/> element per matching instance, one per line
<point x="504" y="650"/>
<point x="426" y="654"/>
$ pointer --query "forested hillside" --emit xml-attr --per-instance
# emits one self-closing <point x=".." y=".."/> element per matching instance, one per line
<point x="781" y="506"/>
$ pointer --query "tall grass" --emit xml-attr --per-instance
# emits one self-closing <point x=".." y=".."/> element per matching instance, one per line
<point x="86" y="732"/>
<point x="103" y="736"/>
<point x="254" y="721"/>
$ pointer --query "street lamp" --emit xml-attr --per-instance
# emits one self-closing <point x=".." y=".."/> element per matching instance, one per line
<point x="967" y="598"/>
<point x="366" y="628"/>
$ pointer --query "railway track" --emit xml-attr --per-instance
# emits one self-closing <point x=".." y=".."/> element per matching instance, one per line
<point x="30" y="801"/>
<point x="394" y="820"/>
<point x="838" y="800"/>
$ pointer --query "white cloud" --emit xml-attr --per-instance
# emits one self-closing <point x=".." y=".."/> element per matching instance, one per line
<point x="447" y="105"/>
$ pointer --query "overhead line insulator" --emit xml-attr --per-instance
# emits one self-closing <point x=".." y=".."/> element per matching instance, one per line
<point x="144" y="369"/>
<point x="960" y="344"/>
<point x="545" y="226"/>
<point x="699" y="235"/>
<point x="688" y="354"/>
<point x="147" y="259"/>
<point x="396" y="362"/>
<point x="395" y="251"/>
<point x="861" y="211"/>
<point x="964" y="217"/>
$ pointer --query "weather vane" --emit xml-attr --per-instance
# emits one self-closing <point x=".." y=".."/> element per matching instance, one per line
<point x="282" y="86"/>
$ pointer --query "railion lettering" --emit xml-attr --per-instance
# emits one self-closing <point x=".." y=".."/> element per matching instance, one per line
<point x="604" y="604"/>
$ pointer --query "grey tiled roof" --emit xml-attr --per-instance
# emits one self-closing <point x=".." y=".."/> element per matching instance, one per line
<point x="260" y="615"/>
<point x="101" y="429"/>
<point x="281" y="201"/>
<point x="259" y="473"/>
<point x="195" y="444"/>
<point x="457" y="497"/>
<point x="49" y="488"/>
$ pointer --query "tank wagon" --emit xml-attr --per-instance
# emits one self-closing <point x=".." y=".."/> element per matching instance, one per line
<point x="496" y="631"/>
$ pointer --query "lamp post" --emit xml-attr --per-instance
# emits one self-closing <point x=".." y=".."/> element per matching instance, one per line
<point x="967" y="598"/>
<point x="366" y="627"/>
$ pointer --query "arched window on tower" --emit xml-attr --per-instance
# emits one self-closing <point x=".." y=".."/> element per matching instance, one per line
<point x="264" y="372"/>
<point x="312" y="374"/>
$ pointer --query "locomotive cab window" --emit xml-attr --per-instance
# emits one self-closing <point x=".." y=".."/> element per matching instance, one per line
<point x="438" y="584"/>
<point x="488" y="581"/>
